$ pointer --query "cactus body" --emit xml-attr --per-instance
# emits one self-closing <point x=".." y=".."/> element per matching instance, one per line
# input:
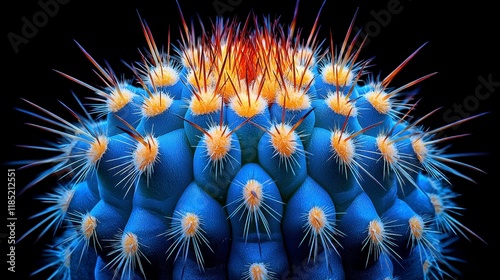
<point x="251" y="158"/>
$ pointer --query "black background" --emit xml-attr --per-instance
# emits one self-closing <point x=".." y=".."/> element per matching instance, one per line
<point x="461" y="47"/>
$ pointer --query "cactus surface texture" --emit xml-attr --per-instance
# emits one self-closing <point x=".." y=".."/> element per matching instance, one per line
<point x="249" y="149"/>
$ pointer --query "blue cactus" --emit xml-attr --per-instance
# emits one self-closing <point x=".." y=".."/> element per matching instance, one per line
<point x="249" y="154"/>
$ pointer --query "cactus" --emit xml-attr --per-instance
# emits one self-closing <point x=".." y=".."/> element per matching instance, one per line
<point x="247" y="152"/>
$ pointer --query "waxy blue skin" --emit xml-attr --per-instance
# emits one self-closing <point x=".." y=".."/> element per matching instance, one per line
<point x="288" y="178"/>
<point x="174" y="90"/>
<point x="216" y="229"/>
<point x="256" y="247"/>
<point x="129" y="113"/>
<point x="326" y="171"/>
<point x="412" y="267"/>
<point x="291" y="117"/>
<point x="215" y="177"/>
<point x="272" y="198"/>
<point x="382" y="268"/>
<point x="204" y="121"/>
<point x="82" y="261"/>
<point x="167" y="121"/>
<point x="84" y="198"/>
<point x="354" y="224"/>
<point x="327" y="118"/>
<point x="323" y="88"/>
<point x="272" y="253"/>
<point x="113" y="210"/>
<point x="249" y="133"/>
<point x="103" y="271"/>
<point x="308" y="196"/>
<point x="155" y="193"/>
<point x="379" y="177"/>
<point x="419" y="202"/>
<point x="154" y="199"/>
<point x="152" y="243"/>
<point x="368" y="115"/>
<point x="399" y="215"/>
<point x="113" y="188"/>
<point x="112" y="222"/>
